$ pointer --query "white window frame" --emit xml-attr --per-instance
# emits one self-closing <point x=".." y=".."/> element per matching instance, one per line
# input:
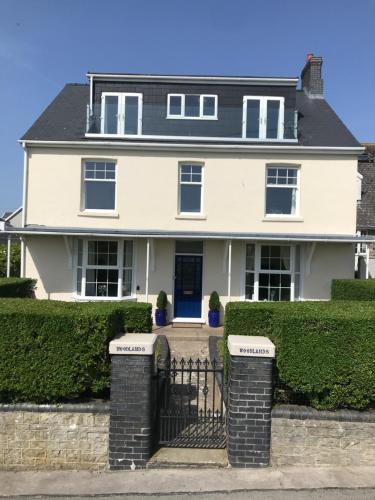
<point x="263" y="106"/>
<point x="201" y="115"/>
<point x="201" y="183"/>
<point x="294" y="186"/>
<point x="119" y="268"/>
<point x="83" y="184"/>
<point x="258" y="270"/>
<point x="121" y="110"/>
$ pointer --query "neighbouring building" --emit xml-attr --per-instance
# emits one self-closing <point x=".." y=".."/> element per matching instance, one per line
<point x="365" y="253"/>
<point x="189" y="184"/>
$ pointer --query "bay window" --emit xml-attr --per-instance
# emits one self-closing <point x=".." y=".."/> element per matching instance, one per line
<point x="272" y="272"/>
<point x="104" y="269"/>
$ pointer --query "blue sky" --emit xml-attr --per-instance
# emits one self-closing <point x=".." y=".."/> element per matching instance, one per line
<point x="47" y="43"/>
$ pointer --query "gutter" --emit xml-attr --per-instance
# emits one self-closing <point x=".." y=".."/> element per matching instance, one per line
<point x="235" y="148"/>
<point x="213" y="236"/>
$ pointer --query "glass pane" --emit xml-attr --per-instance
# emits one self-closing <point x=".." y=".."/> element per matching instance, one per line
<point x="79" y="281"/>
<point x="186" y="169"/>
<point x="190" y="198"/>
<point x="175" y="105"/>
<point x="189" y="246"/>
<point x="273" y="108"/>
<point x="79" y="252"/>
<point x="297" y="287"/>
<point x="99" y="195"/>
<point x="249" y="286"/>
<point x="280" y="201"/>
<point x="297" y="265"/>
<point x="192" y="105"/>
<point x="250" y="257"/>
<point x="131" y="115"/>
<point x="127" y="282"/>
<point x="252" y="121"/>
<point x="110" y="114"/>
<point x="128" y="253"/>
<point x="208" y="106"/>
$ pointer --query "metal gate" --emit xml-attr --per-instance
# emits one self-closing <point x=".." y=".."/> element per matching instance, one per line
<point x="191" y="410"/>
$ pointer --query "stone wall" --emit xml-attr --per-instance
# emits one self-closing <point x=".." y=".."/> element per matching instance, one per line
<point x="306" y="437"/>
<point x="54" y="436"/>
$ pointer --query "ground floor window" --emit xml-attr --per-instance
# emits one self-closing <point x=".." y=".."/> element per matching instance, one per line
<point x="272" y="272"/>
<point x="104" y="269"/>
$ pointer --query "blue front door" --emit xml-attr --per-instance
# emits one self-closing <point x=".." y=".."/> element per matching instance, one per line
<point x="188" y="286"/>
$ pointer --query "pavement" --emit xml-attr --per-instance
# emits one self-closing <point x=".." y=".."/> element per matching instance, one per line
<point x="193" y="482"/>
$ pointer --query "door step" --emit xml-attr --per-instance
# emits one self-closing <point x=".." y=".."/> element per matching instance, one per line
<point x="178" y="324"/>
<point x="188" y="457"/>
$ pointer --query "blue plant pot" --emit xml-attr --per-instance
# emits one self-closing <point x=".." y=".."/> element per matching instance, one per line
<point x="161" y="317"/>
<point x="214" y="318"/>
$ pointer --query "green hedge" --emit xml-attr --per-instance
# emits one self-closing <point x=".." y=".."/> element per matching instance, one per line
<point x="353" y="289"/>
<point x="54" y="351"/>
<point x="325" y="351"/>
<point x="17" y="287"/>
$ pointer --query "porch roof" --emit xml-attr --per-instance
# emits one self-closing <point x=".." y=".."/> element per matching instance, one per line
<point x="159" y="233"/>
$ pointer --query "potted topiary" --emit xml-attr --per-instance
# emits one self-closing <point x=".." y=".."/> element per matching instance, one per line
<point x="214" y="312"/>
<point x="161" y="309"/>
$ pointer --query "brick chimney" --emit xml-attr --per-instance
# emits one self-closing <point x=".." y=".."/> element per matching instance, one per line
<point x="311" y="77"/>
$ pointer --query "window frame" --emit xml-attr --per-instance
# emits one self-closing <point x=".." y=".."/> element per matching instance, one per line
<point x="296" y="186"/>
<point x="201" y="115"/>
<point x="201" y="183"/>
<point x="120" y="268"/>
<point x="257" y="269"/>
<point x="121" y="113"/>
<point x="263" y="106"/>
<point x="83" y="185"/>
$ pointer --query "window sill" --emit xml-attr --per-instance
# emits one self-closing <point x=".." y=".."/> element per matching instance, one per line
<point x="80" y="298"/>
<point x="283" y="218"/>
<point x="110" y="214"/>
<point x="191" y="217"/>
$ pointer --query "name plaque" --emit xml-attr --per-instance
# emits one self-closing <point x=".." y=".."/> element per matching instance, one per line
<point x="260" y="347"/>
<point x="133" y="343"/>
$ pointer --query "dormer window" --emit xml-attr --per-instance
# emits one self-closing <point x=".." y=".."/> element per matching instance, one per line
<point x="192" y="106"/>
<point x="121" y="113"/>
<point x="263" y="118"/>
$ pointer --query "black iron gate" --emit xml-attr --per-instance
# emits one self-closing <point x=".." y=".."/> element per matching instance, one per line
<point x="191" y="410"/>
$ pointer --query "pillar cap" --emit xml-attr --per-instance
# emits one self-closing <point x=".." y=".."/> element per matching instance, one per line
<point x="249" y="346"/>
<point x="140" y="344"/>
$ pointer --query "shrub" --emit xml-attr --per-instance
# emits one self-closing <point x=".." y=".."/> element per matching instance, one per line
<point x="162" y="300"/>
<point x="353" y="289"/>
<point x="54" y="351"/>
<point x="214" y="302"/>
<point x="15" y="259"/>
<point x="325" y="351"/>
<point x="17" y="287"/>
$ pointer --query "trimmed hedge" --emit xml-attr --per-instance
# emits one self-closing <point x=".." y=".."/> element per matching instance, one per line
<point x="353" y="289"/>
<point x="17" y="287"/>
<point x="54" y="351"/>
<point x="325" y="351"/>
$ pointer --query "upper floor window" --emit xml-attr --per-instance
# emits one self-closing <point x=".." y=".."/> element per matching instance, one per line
<point x="99" y="185"/>
<point x="190" y="188"/>
<point x="121" y="113"/>
<point x="192" y="106"/>
<point x="282" y="191"/>
<point x="263" y="117"/>
<point x="104" y="269"/>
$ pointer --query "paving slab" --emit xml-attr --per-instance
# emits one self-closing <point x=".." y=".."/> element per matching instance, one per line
<point x="193" y="481"/>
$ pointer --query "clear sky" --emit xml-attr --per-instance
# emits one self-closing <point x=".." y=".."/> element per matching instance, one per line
<point x="47" y="43"/>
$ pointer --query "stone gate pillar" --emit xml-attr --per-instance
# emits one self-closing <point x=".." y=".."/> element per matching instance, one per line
<point x="250" y="400"/>
<point x="130" y="424"/>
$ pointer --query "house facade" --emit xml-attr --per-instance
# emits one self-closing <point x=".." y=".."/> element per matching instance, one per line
<point x="189" y="184"/>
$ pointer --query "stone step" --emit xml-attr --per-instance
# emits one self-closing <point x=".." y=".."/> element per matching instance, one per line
<point x="188" y="457"/>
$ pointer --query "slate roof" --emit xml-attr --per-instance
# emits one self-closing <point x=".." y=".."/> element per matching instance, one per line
<point x="65" y="118"/>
